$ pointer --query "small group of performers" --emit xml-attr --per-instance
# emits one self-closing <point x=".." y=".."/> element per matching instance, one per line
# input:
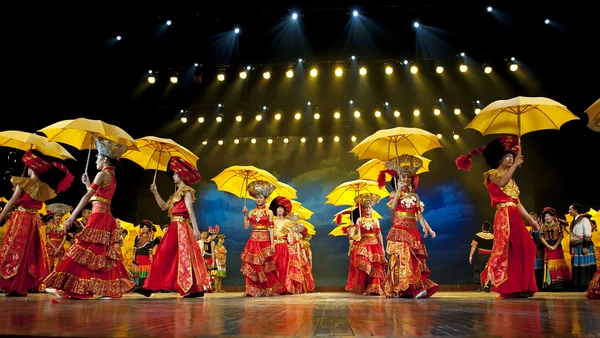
<point x="24" y="261"/>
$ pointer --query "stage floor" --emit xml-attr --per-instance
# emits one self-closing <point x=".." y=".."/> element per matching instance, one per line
<point x="340" y="314"/>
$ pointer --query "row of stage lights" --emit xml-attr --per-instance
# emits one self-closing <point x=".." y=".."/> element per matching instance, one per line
<point x="338" y="71"/>
<point x="286" y="140"/>
<point x="317" y="115"/>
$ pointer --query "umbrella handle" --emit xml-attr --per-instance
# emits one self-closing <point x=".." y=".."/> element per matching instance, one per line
<point x="157" y="164"/>
<point x="88" y="158"/>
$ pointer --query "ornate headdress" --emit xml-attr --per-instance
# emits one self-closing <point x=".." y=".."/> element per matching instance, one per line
<point x="147" y="223"/>
<point x="260" y="187"/>
<point x="292" y="216"/>
<point x="184" y="169"/>
<point x="110" y="148"/>
<point x="59" y="208"/>
<point x="547" y="210"/>
<point x="367" y="199"/>
<point x="403" y="164"/>
<point x="214" y="230"/>
<point x="283" y="202"/>
<point x="54" y="174"/>
<point x="492" y="152"/>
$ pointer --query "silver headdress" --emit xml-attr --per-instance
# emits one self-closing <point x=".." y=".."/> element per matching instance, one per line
<point x="110" y="148"/>
<point x="405" y="164"/>
<point x="260" y="188"/>
<point x="59" y="208"/>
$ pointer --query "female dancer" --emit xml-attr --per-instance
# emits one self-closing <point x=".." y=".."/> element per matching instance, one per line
<point x="282" y="228"/>
<point x="92" y="265"/>
<point x="178" y="265"/>
<point x="142" y="253"/>
<point x="353" y="245"/>
<point x="56" y="235"/>
<point x="23" y="258"/>
<point x="221" y="258"/>
<point x="308" y="284"/>
<point x="556" y="271"/>
<point x="511" y="265"/>
<point x="257" y="256"/>
<point x="408" y="271"/>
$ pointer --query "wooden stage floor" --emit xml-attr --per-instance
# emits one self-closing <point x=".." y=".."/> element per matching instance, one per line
<point x="340" y="314"/>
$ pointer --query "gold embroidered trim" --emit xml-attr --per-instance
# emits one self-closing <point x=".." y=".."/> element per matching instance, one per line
<point x="37" y="189"/>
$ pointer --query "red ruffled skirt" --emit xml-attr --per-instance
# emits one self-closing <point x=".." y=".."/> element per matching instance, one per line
<point x="294" y="276"/>
<point x="23" y="257"/>
<point x="308" y="282"/>
<point x="281" y="259"/>
<point x="408" y="272"/>
<point x="92" y="266"/>
<point x="258" y="266"/>
<point x="593" y="291"/>
<point x="178" y="264"/>
<point x="351" y="269"/>
<point x="370" y="265"/>
<point x="556" y="268"/>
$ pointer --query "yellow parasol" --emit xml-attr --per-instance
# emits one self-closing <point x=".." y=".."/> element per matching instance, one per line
<point x="370" y="170"/>
<point x="310" y="229"/>
<point x="154" y="153"/>
<point x="345" y="193"/>
<point x="27" y="141"/>
<point x="594" y="116"/>
<point x="345" y="218"/>
<point x="235" y="179"/>
<point x="386" y="144"/>
<point x="339" y="230"/>
<point x="521" y="115"/>
<point x="80" y="132"/>
<point x="299" y="209"/>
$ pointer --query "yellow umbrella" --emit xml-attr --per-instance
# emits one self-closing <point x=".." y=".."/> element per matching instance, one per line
<point x="235" y="179"/>
<point x="299" y="209"/>
<point x="26" y="141"/>
<point x="386" y="144"/>
<point x="157" y="233"/>
<point x="154" y="153"/>
<point x="309" y="228"/>
<point x="346" y="215"/>
<point x="80" y="134"/>
<point x="345" y="193"/>
<point x="521" y="115"/>
<point x="370" y="170"/>
<point x="339" y="230"/>
<point x="594" y="116"/>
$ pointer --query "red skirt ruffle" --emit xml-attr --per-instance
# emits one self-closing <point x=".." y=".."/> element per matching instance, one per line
<point x="92" y="265"/>
<point x="178" y="264"/>
<point x="258" y="266"/>
<point x="370" y="263"/>
<point x="352" y="271"/>
<point x="23" y="257"/>
<point x="308" y="283"/>
<point x="294" y="276"/>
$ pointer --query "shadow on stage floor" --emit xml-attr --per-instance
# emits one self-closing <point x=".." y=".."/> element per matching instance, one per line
<point x="230" y="314"/>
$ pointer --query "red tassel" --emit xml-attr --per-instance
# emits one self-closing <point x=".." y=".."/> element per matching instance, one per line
<point x="345" y="230"/>
<point x="338" y="219"/>
<point x="415" y="182"/>
<point x="381" y="179"/>
<point x="463" y="162"/>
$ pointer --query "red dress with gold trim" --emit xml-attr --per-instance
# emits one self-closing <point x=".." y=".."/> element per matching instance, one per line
<point x="511" y="264"/>
<point x="257" y="257"/>
<point x="178" y="264"/>
<point x="294" y="276"/>
<point x="351" y="269"/>
<point x="308" y="283"/>
<point x="56" y="233"/>
<point x="93" y="266"/>
<point x="408" y="271"/>
<point x="369" y="259"/>
<point x="23" y="258"/>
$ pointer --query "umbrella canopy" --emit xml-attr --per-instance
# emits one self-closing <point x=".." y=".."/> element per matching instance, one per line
<point x="386" y="144"/>
<point x="345" y="193"/>
<point x="594" y="116"/>
<point x="154" y="153"/>
<point x="521" y="115"/>
<point x="27" y="141"/>
<point x="346" y="216"/>
<point x="235" y="179"/>
<point x="339" y="230"/>
<point x="310" y="229"/>
<point x="302" y="211"/>
<point x="79" y="133"/>
<point x="370" y="170"/>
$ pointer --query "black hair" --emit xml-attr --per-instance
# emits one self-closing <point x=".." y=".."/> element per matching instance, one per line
<point x="47" y="218"/>
<point x="486" y="226"/>
<point x="494" y="152"/>
<point x="577" y="207"/>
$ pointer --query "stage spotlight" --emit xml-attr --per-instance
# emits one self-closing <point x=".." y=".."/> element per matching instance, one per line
<point x="416" y="24"/>
<point x="339" y="72"/>
<point x="243" y="74"/>
<point x="439" y="69"/>
<point x="336" y="115"/>
<point x="439" y="136"/>
<point x="377" y="113"/>
<point x="236" y="141"/>
<point x="195" y="65"/>
<point x="405" y="62"/>
<point x="169" y="22"/>
<point x="353" y="57"/>
<point x="462" y="54"/>
<point x="440" y="100"/>
<point x="220" y="142"/>
<point x="355" y="13"/>
<point x="353" y="138"/>
<point x="414" y="69"/>
<point x="351" y="101"/>
<point x="396" y="113"/>
<point x="489" y="9"/>
<point x="253" y="141"/>
<point x="238" y="118"/>
<point x="258" y="117"/>
<point x="219" y="105"/>
<point x="314" y="72"/>
<point x="151" y="79"/>
<point x="463" y="67"/>
<point x="300" y="60"/>
<point x="221" y="76"/>
<point x="294" y="16"/>
<point x="308" y="103"/>
<point x="270" y="141"/>
<point x="298" y="116"/>
<point x="277" y="116"/>
<point x="201" y="119"/>
<point x="303" y="139"/>
<point x="286" y="140"/>
<point x="317" y="116"/>
<point x="320" y="139"/>
<point x="487" y="68"/>
<point x="174" y="78"/>
<point x="437" y="111"/>
<point x="248" y="67"/>
<point x="456" y="136"/>
<point x="290" y="73"/>
<point x="477" y="111"/>
<point x="267" y="73"/>
<point x="389" y="70"/>
<point x="456" y="111"/>
<point x="356" y="113"/>
<point x="478" y="102"/>
<point x="237" y="30"/>
<point x="219" y="118"/>
<point x="205" y="142"/>
<point x="416" y="112"/>
<point x="119" y="38"/>
<point x="513" y="67"/>
<point x="386" y="104"/>
<point x="336" y="139"/>
<point x="264" y="107"/>
<point x="547" y="22"/>
<point x="184" y="119"/>
<point x="362" y="71"/>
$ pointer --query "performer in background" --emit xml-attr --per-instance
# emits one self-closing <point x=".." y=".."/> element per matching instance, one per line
<point x="142" y="253"/>
<point x="538" y="265"/>
<point x="282" y="236"/>
<point x="56" y="235"/>
<point x="78" y="225"/>
<point x="178" y="265"/>
<point x="294" y="277"/>
<point x="23" y="258"/>
<point x="92" y="265"/>
<point x="257" y="256"/>
<point x="308" y="282"/>
<point x="511" y="265"/>
<point x="482" y="243"/>
<point x="353" y="245"/>
<point x="556" y="271"/>
<point x="583" y="258"/>
<point x="221" y="258"/>
<point x="408" y="272"/>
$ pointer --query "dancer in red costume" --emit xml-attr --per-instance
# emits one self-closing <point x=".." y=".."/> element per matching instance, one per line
<point x="23" y="257"/>
<point x="56" y="235"/>
<point x="369" y="259"/>
<point x="408" y="272"/>
<point x="92" y="266"/>
<point x="282" y="236"/>
<point x="308" y="282"/>
<point x="257" y="256"/>
<point x="511" y="264"/>
<point x="353" y="245"/>
<point x="294" y="277"/>
<point x="178" y="264"/>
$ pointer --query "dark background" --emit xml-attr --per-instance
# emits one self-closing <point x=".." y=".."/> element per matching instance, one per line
<point x="62" y="63"/>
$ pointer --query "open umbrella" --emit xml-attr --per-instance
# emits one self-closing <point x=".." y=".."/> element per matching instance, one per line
<point x="594" y="116"/>
<point x="386" y="144"/>
<point x="521" y="115"/>
<point x="235" y="179"/>
<point x="27" y="141"/>
<point x="370" y="170"/>
<point x="80" y="134"/>
<point x="345" y="193"/>
<point x="302" y="211"/>
<point x="154" y="153"/>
